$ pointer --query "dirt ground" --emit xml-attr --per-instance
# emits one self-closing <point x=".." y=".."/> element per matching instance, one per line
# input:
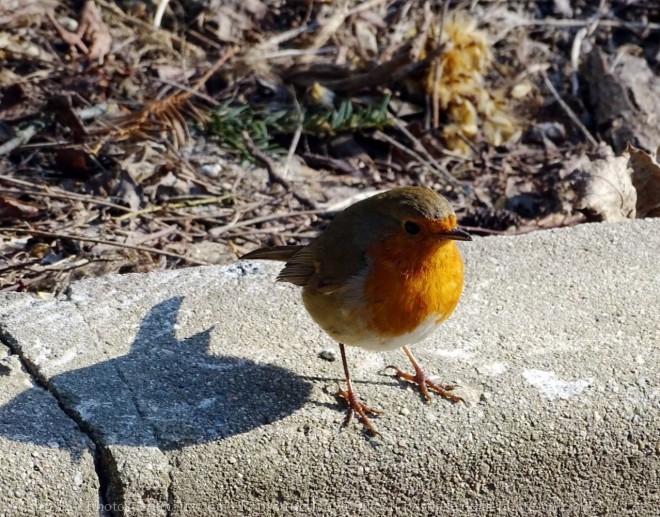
<point x="137" y="136"/>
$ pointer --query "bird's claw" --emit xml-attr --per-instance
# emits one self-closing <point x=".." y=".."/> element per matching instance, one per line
<point x="359" y="408"/>
<point x="424" y="384"/>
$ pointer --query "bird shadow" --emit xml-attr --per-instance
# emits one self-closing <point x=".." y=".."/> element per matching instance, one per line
<point x="165" y="393"/>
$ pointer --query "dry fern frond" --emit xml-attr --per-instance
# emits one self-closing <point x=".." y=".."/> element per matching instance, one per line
<point x="160" y="119"/>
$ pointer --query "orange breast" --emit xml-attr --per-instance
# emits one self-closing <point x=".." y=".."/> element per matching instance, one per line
<point x="407" y="285"/>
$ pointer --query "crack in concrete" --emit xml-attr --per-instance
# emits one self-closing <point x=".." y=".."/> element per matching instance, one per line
<point x="38" y="379"/>
<point x="135" y="401"/>
<point x="170" y="491"/>
<point x="102" y="455"/>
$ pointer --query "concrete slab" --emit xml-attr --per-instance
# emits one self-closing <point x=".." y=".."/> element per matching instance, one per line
<point x="46" y="462"/>
<point x="205" y="392"/>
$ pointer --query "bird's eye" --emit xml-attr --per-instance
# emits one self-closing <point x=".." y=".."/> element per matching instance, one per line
<point x="411" y="228"/>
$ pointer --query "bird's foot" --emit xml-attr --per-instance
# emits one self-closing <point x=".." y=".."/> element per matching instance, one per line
<point x="424" y="384"/>
<point x="359" y="408"/>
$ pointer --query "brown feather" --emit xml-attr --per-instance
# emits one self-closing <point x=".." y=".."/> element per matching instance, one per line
<point x="281" y="253"/>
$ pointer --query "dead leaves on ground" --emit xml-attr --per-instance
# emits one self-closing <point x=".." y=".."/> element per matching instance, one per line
<point x="456" y="83"/>
<point x="612" y="188"/>
<point x="92" y="36"/>
<point x="400" y="93"/>
<point x="625" y="94"/>
<point x="646" y="179"/>
<point x="12" y="209"/>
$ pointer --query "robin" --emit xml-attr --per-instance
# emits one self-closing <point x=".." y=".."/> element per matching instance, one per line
<point x="383" y="275"/>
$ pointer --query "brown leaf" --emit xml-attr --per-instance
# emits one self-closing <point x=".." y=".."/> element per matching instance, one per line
<point x="92" y="37"/>
<point x="604" y="188"/>
<point x="61" y="108"/>
<point x="625" y="94"/>
<point x="646" y="179"/>
<point x="73" y="161"/>
<point x="12" y="208"/>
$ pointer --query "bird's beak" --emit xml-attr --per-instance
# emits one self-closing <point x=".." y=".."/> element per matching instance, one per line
<point x="456" y="234"/>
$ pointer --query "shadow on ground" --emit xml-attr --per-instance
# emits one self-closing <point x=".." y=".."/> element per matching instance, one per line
<point x="164" y="393"/>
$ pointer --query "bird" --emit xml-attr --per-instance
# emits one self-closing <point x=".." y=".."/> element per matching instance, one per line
<point x="383" y="275"/>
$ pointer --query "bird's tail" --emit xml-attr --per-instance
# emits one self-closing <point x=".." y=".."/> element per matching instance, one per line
<point x="281" y="253"/>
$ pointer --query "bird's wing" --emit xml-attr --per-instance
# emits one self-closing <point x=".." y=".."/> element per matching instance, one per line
<point x="300" y="267"/>
<point x="300" y="263"/>
<point x="324" y="271"/>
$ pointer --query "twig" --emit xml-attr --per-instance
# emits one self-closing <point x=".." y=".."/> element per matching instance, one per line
<point x="175" y="206"/>
<point x="160" y="11"/>
<point x="438" y="66"/>
<point x="219" y="230"/>
<point x="112" y="6"/>
<point x="218" y="63"/>
<point x="22" y="137"/>
<point x="364" y="6"/>
<point x="168" y="230"/>
<point x="575" y="59"/>
<point x="568" y="110"/>
<point x="283" y="37"/>
<point x="271" y="167"/>
<point x="55" y="235"/>
<point x="490" y="231"/>
<point x="55" y="192"/>
<point x="338" y="165"/>
<point x="94" y="111"/>
<point x="552" y="22"/>
<point x="429" y="161"/>
<point x="296" y="135"/>
<point x="294" y="52"/>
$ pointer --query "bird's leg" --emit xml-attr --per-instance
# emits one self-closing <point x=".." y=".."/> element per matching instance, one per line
<point x="421" y="380"/>
<point x="354" y="405"/>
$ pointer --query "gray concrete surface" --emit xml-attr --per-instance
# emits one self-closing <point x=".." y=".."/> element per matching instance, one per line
<point x="203" y="393"/>
<point x="46" y="462"/>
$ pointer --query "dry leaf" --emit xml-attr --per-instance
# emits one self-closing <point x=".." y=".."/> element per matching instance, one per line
<point x="92" y="37"/>
<point x="625" y="94"/>
<point x="646" y="179"/>
<point x="366" y="38"/>
<point x="604" y="188"/>
<point x="12" y="208"/>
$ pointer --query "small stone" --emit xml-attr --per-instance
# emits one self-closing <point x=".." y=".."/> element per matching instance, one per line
<point x="68" y="23"/>
<point x="78" y="479"/>
<point x="211" y="170"/>
<point x="431" y="416"/>
<point x="404" y="411"/>
<point x="232" y="460"/>
<point x="328" y="354"/>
